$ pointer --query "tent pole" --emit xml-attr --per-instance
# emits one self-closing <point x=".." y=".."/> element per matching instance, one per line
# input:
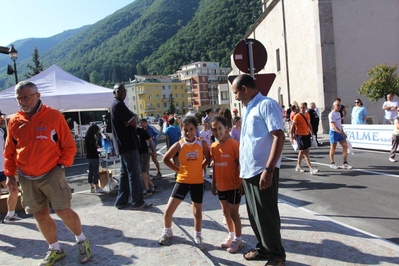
<point x="81" y="135"/>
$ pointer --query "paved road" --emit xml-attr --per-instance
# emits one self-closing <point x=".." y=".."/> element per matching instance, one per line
<point x="365" y="197"/>
<point x="310" y="207"/>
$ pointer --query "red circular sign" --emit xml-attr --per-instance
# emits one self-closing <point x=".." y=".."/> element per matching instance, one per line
<point x="241" y="55"/>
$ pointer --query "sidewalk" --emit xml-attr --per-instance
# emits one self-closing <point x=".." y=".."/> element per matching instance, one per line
<point x="127" y="237"/>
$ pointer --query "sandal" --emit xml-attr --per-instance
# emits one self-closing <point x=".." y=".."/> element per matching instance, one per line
<point x="276" y="262"/>
<point x="253" y="254"/>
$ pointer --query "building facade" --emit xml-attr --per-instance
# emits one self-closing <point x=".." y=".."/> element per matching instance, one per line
<point x="322" y="49"/>
<point x="202" y="80"/>
<point x="151" y="95"/>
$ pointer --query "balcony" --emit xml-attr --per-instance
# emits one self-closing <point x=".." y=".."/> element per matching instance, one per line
<point x="140" y="92"/>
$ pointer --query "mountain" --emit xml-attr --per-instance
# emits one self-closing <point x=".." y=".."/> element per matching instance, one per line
<point x="153" y="37"/>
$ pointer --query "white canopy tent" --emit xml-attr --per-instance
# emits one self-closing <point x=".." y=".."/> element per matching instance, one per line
<point x="62" y="91"/>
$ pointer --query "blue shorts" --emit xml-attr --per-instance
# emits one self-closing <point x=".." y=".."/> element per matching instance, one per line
<point x="335" y="137"/>
<point x="2" y="176"/>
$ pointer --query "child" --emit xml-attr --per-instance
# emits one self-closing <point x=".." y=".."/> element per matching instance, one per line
<point x="173" y="134"/>
<point x="206" y="134"/>
<point x="226" y="181"/>
<point x="93" y="158"/>
<point x="144" y="152"/>
<point x="236" y="130"/>
<point x="193" y="156"/>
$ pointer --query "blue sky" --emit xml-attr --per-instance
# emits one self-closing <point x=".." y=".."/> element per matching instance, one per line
<point x="21" y="19"/>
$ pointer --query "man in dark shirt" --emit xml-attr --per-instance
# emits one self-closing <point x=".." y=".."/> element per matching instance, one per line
<point x="123" y="124"/>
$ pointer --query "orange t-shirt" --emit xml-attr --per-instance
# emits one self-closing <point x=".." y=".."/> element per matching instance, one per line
<point x="226" y="170"/>
<point x="301" y="127"/>
<point x="191" y="156"/>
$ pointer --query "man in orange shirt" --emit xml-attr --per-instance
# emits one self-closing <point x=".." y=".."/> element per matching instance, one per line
<point x="38" y="148"/>
<point x="301" y="131"/>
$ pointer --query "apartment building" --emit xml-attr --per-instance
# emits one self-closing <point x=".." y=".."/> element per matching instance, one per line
<point x="151" y="95"/>
<point x="202" y="80"/>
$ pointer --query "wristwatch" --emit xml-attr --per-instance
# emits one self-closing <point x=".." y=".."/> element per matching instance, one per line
<point x="269" y="170"/>
<point x="62" y="167"/>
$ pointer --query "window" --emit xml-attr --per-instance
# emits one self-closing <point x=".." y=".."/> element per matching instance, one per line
<point x="169" y="87"/>
<point x="176" y="95"/>
<point x="164" y="105"/>
<point x="158" y="105"/>
<point x="182" y="104"/>
<point x="163" y="96"/>
<point x="225" y="95"/>
<point x="157" y="96"/>
<point x="156" y="87"/>
<point x="177" y="104"/>
<point x="149" y="88"/>
<point x="163" y="87"/>
<point x="175" y="87"/>
<point x="134" y="107"/>
<point x="134" y="98"/>
<point x="140" y="98"/>
<point x="182" y="95"/>
<point x="278" y="59"/>
<point x="150" y="97"/>
<point x="181" y="86"/>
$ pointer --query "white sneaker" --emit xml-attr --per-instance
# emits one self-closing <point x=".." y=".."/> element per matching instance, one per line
<point x="334" y="166"/>
<point x="235" y="246"/>
<point x="198" y="242"/>
<point x="227" y="241"/>
<point x="100" y="190"/>
<point x="392" y="160"/>
<point x="11" y="219"/>
<point x="299" y="169"/>
<point x="347" y="166"/>
<point x="166" y="235"/>
<point x="313" y="170"/>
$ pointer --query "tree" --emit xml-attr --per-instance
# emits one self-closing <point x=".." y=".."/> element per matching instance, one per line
<point x="95" y="77"/>
<point x="172" y="107"/>
<point x="37" y="67"/>
<point x="383" y="80"/>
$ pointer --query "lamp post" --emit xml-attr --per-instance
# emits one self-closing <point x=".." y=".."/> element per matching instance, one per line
<point x="13" y="55"/>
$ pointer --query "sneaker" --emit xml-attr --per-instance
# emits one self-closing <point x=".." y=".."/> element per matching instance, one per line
<point x="198" y="242"/>
<point x="347" y="166"/>
<point x="92" y="190"/>
<point x="235" y="246"/>
<point x="120" y="207"/>
<point x="299" y="169"/>
<point x="166" y="235"/>
<point x="84" y="251"/>
<point x="9" y="219"/>
<point x="100" y="190"/>
<point x="147" y="193"/>
<point x="158" y="176"/>
<point x="145" y="205"/>
<point x="392" y="160"/>
<point x="154" y="189"/>
<point x="334" y="166"/>
<point x="313" y="170"/>
<point x="52" y="255"/>
<point x="227" y="242"/>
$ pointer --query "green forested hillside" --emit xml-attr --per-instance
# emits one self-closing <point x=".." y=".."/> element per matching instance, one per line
<point x="154" y="37"/>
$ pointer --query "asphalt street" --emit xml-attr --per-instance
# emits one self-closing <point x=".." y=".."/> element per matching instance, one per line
<point x="364" y="197"/>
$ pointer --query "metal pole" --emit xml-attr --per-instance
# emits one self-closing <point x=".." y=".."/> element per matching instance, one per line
<point x="15" y="71"/>
<point x="251" y="60"/>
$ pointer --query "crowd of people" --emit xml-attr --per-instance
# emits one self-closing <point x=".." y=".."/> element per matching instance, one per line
<point x="245" y="154"/>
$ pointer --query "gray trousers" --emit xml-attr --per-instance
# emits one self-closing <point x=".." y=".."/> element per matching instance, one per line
<point x="264" y="216"/>
<point x="395" y="144"/>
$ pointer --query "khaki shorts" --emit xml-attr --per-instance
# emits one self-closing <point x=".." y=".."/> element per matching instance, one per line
<point x="36" y="194"/>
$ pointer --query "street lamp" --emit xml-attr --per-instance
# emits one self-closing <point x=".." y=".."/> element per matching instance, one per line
<point x="13" y="55"/>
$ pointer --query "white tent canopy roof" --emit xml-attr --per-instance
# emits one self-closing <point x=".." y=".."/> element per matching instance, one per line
<point x="62" y="91"/>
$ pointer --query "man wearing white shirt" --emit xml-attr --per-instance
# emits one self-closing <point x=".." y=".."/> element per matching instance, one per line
<point x="390" y="106"/>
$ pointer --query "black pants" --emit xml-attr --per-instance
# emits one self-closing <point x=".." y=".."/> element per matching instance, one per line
<point x="264" y="216"/>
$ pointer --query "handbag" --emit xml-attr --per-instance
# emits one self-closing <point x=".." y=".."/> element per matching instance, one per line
<point x="314" y="141"/>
